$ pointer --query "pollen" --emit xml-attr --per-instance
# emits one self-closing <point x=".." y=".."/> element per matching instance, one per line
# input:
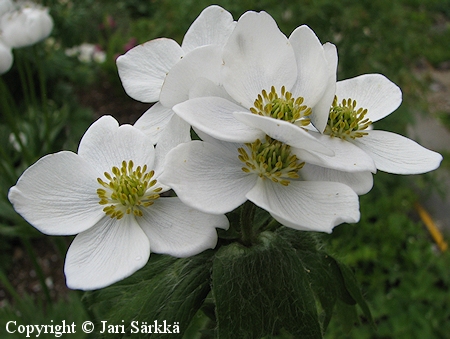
<point x="283" y="107"/>
<point x="270" y="159"/>
<point x="346" y="121"/>
<point x="127" y="190"/>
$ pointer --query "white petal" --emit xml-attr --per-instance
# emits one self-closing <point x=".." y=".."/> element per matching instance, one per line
<point x="154" y="120"/>
<point x="360" y="182"/>
<point x="397" y="154"/>
<point x="207" y="177"/>
<point x="307" y="205"/>
<point x="213" y="26"/>
<point x="143" y="68"/>
<point x="206" y="88"/>
<point x="321" y="110"/>
<point x="312" y="65"/>
<point x="203" y="62"/>
<point x="214" y="116"/>
<point x="347" y="157"/>
<point x="257" y="56"/>
<point x="174" y="228"/>
<point x="58" y="194"/>
<point x="374" y="92"/>
<point x="108" y="252"/>
<point x="105" y="145"/>
<point x="177" y="132"/>
<point x="283" y="131"/>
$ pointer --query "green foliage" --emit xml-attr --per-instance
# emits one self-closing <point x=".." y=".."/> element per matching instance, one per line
<point x="262" y="289"/>
<point x="404" y="277"/>
<point x="30" y="312"/>
<point x="165" y="289"/>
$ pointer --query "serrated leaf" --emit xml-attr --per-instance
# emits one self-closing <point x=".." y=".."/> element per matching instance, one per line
<point x="260" y="290"/>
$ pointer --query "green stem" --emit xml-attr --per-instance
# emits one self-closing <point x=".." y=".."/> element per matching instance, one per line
<point x="9" y="111"/>
<point x="44" y="98"/>
<point x="247" y="217"/>
<point x="272" y="225"/>
<point x="9" y="287"/>
<point x="29" y="248"/>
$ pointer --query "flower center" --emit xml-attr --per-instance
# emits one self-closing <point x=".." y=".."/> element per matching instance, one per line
<point x="345" y="121"/>
<point x="271" y="159"/>
<point x="128" y="190"/>
<point x="283" y="107"/>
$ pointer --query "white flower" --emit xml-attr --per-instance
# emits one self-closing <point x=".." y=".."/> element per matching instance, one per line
<point x="217" y="177"/>
<point x="6" y="57"/>
<point x="6" y="6"/>
<point x="248" y="98"/>
<point x="109" y="194"/>
<point x="143" y="69"/>
<point x="359" y="102"/>
<point x="26" y="26"/>
<point x="275" y="85"/>
<point x="87" y="53"/>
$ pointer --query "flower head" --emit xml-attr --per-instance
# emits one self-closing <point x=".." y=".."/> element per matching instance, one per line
<point x="358" y="103"/>
<point x="110" y="195"/>
<point x="26" y="26"/>
<point x="217" y="177"/>
<point x="272" y="85"/>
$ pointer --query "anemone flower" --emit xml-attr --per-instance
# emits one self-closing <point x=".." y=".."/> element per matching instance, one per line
<point x="109" y="194"/>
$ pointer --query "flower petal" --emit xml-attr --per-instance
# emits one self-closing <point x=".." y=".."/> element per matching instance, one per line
<point x="346" y="156"/>
<point x="207" y="177"/>
<point x="283" y="131"/>
<point x="57" y="194"/>
<point x="312" y="65"/>
<point x="154" y="121"/>
<point x="214" y="116"/>
<point x="177" y="132"/>
<point x="307" y="205"/>
<point x="206" y="88"/>
<point x="143" y="68"/>
<point x="360" y="182"/>
<point x="106" y="144"/>
<point x="212" y="27"/>
<point x="257" y="56"/>
<point x="108" y="252"/>
<point x="203" y="62"/>
<point x="397" y="154"/>
<point x="374" y="92"/>
<point x="174" y="228"/>
<point x="321" y="110"/>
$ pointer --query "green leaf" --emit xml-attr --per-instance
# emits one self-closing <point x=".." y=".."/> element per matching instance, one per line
<point x="261" y="290"/>
<point x="325" y="276"/>
<point x="352" y="287"/>
<point x="166" y="288"/>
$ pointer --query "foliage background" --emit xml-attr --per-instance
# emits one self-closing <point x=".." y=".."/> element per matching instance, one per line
<point x="404" y="277"/>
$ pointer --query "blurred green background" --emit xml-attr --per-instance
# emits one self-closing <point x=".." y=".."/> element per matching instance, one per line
<point x="405" y="277"/>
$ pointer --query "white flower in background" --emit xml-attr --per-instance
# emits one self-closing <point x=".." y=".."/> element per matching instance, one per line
<point x="110" y="195"/>
<point x="359" y="102"/>
<point x="6" y="6"/>
<point x="6" y="57"/>
<point x="143" y="69"/>
<point x="217" y="177"/>
<point x="26" y="26"/>
<point x="87" y="53"/>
